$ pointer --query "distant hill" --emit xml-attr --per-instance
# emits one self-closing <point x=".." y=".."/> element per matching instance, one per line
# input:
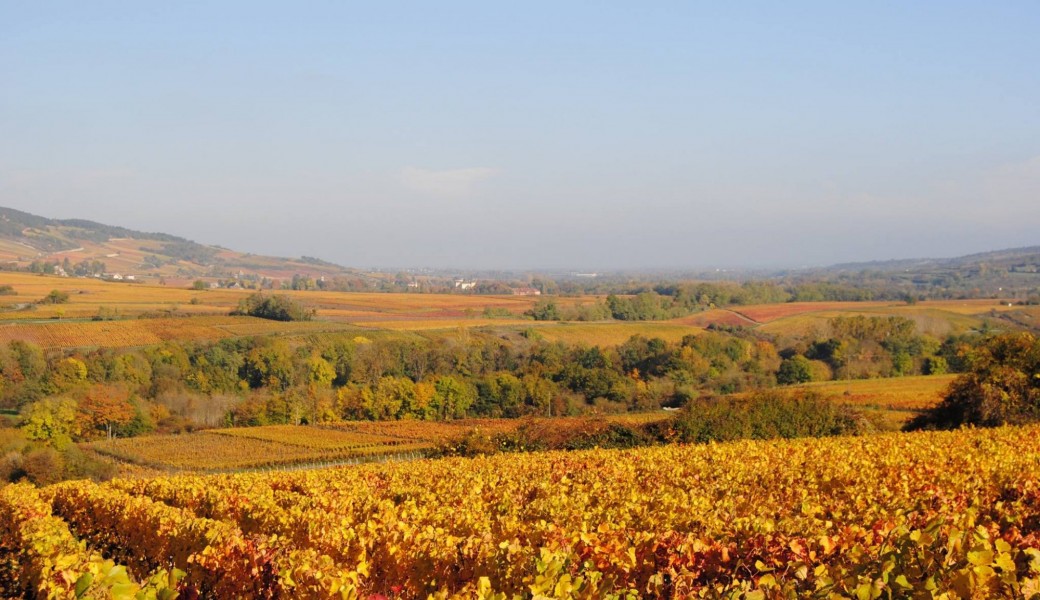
<point x="94" y="248"/>
<point x="85" y="247"/>
<point x="1013" y="259"/>
<point x="1013" y="274"/>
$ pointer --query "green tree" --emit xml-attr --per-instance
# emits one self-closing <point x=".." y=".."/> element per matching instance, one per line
<point x="269" y="364"/>
<point x="320" y="371"/>
<point x="392" y="397"/>
<point x="936" y="365"/>
<point x="275" y="308"/>
<point x="796" y="369"/>
<point x="55" y="297"/>
<point x="452" y="397"/>
<point x="544" y="310"/>
<point x="1001" y="386"/>
<point x="68" y="373"/>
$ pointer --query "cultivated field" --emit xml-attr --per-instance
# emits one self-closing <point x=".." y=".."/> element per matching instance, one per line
<point x="899" y="515"/>
<point x="145" y="313"/>
<point x="612" y="333"/>
<point x="273" y="446"/>
<point x="249" y="448"/>
<point x="143" y="332"/>
<point x="893" y="393"/>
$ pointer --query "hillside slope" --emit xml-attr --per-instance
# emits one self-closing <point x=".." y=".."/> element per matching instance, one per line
<point x="83" y="247"/>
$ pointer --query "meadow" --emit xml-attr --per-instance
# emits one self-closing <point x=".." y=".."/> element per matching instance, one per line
<point x="934" y="514"/>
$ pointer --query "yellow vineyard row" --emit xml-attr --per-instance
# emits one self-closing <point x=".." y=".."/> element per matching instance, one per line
<point x="896" y="515"/>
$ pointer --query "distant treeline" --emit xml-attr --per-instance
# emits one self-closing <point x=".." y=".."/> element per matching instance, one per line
<point x="329" y="377"/>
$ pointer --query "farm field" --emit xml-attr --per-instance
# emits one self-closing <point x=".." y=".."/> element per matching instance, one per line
<point x="611" y="333"/>
<point x="937" y="318"/>
<point x="893" y="515"/>
<point x="179" y="313"/>
<point x="894" y="393"/>
<point x="143" y="332"/>
<point x="273" y="446"/>
<point x="933" y="321"/>
<point x="248" y="448"/>
<point x="716" y="316"/>
<point x="767" y="313"/>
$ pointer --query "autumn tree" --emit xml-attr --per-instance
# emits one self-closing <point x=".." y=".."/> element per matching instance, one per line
<point x="51" y="420"/>
<point x="103" y="408"/>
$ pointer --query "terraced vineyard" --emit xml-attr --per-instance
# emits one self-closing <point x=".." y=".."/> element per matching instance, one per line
<point x="948" y="514"/>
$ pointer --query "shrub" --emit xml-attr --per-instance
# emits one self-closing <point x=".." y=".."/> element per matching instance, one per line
<point x="11" y="467"/>
<point x="79" y="465"/>
<point x="55" y="297"/>
<point x="764" y="415"/>
<point x="44" y="466"/>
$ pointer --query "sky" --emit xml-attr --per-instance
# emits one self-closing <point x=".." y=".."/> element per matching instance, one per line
<point x="586" y="135"/>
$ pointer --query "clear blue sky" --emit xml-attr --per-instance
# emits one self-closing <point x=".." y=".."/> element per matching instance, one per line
<point x="532" y="134"/>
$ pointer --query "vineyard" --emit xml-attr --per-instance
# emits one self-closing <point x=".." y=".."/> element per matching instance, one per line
<point x="948" y="514"/>
<point x="252" y="448"/>
<point x="895" y="393"/>
<point x="613" y="333"/>
<point x="142" y="314"/>
<point x="273" y="446"/>
<point x="144" y="332"/>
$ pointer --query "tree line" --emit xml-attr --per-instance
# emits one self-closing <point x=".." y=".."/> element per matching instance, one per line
<point x="327" y="377"/>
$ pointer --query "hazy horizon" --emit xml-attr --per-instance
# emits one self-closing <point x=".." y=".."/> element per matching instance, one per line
<point x="542" y="136"/>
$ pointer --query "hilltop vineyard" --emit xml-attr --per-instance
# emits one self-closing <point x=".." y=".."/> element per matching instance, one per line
<point x="913" y="515"/>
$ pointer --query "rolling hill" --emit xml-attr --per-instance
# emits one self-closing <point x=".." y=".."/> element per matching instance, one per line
<point x="88" y="248"/>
